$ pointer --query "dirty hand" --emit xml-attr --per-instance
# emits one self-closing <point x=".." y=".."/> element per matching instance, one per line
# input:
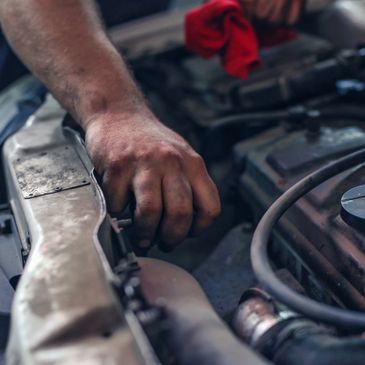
<point x="131" y="150"/>
<point x="274" y="11"/>
<point x="173" y="192"/>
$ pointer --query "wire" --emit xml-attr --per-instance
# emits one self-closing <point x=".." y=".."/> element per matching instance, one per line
<point x="217" y="126"/>
<point x="293" y="114"/>
<point x="342" y="318"/>
<point x="212" y="140"/>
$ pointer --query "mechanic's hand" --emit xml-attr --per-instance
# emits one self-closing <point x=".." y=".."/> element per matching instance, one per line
<point x="274" y="11"/>
<point x="175" y="197"/>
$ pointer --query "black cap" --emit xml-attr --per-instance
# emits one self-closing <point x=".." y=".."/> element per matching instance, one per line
<point x="353" y="207"/>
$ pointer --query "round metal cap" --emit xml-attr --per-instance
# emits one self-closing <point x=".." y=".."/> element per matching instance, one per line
<point x="353" y="207"/>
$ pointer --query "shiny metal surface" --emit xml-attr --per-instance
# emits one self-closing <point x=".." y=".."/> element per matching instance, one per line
<point x="256" y="315"/>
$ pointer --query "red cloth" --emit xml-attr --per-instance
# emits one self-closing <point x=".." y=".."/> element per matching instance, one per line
<point x="220" y="26"/>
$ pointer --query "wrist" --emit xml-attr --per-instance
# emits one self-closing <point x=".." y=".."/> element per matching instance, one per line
<point x="117" y="114"/>
<point x="99" y="91"/>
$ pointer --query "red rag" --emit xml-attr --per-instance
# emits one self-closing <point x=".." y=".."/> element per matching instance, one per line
<point x="219" y="26"/>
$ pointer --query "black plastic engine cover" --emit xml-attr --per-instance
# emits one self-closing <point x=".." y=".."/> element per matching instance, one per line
<point x="312" y="230"/>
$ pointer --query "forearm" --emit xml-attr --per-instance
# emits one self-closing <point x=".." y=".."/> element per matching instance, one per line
<point x="63" y="42"/>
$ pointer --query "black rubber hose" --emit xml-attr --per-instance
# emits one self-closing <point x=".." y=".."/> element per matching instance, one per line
<point x="300" y="342"/>
<point x="294" y="114"/>
<point x="218" y="126"/>
<point x="341" y="318"/>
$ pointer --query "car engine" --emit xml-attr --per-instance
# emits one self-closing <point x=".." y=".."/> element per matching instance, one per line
<point x="291" y="137"/>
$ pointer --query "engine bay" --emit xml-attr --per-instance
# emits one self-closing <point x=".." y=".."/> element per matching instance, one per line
<point x="302" y="110"/>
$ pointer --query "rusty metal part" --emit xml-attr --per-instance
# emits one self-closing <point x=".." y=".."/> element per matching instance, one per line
<point x="65" y="309"/>
<point x="256" y="315"/>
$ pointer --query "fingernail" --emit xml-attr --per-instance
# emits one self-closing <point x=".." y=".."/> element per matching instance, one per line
<point x="144" y="243"/>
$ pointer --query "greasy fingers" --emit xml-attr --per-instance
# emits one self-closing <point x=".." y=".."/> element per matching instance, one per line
<point x="116" y="189"/>
<point x="174" y="195"/>
<point x="148" y="211"/>
<point x="178" y="210"/>
<point x="205" y="196"/>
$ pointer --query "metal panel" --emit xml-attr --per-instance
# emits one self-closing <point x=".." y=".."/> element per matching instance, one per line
<point x="49" y="171"/>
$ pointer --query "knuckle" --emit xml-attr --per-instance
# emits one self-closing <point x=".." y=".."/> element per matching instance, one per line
<point x="115" y="165"/>
<point x="146" y="155"/>
<point x="159" y="153"/>
<point x="198" y="161"/>
<point x="148" y="208"/>
<point x="180" y="213"/>
<point x="169" y="153"/>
